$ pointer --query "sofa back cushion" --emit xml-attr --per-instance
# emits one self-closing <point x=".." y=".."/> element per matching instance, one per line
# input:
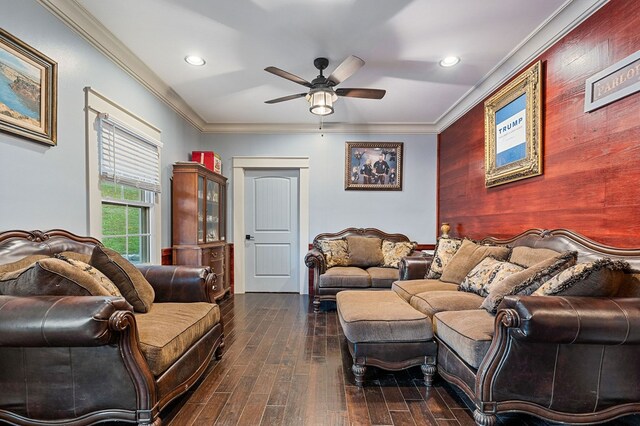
<point x="600" y="278"/>
<point x="445" y="250"/>
<point x="131" y="283"/>
<point x="365" y="251"/>
<point x="393" y="252"/>
<point x="529" y="256"/>
<point x="55" y="277"/>
<point x="487" y="274"/>
<point x="469" y="255"/>
<point x="528" y="280"/>
<point x="336" y="252"/>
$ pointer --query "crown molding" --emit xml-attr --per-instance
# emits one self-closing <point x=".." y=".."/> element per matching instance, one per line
<point x="88" y="27"/>
<point x="568" y="17"/>
<point x="372" y="128"/>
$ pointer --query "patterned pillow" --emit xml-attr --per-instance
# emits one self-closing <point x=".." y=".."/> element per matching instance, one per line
<point x="600" y="278"/>
<point x="393" y="252"/>
<point x="336" y="252"/>
<point x="98" y="276"/>
<point x="468" y="256"/>
<point x="445" y="250"/>
<point x="486" y="274"/>
<point x="525" y="280"/>
<point x="50" y="277"/>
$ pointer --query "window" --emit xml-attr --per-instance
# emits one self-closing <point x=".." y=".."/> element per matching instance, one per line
<point x="123" y="167"/>
<point x="129" y="166"/>
<point x="126" y="220"/>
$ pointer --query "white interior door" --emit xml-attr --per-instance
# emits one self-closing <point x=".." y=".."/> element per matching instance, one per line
<point x="271" y="226"/>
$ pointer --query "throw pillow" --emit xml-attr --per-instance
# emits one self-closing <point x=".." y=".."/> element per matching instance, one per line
<point x="98" y="276"/>
<point x="22" y="263"/>
<point x="131" y="283"/>
<point x="50" y="277"/>
<point x="599" y="278"/>
<point x="529" y="256"/>
<point x="336" y="252"/>
<point x="365" y="251"/>
<point x="82" y="257"/>
<point x="469" y="255"/>
<point x="525" y="280"/>
<point x="393" y="252"/>
<point x="486" y="274"/>
<point x="445" y="249"/>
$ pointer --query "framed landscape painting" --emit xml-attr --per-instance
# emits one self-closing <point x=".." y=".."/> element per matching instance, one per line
<point x="373" y="166"/>
<point x="28" y="81"/>
<point x="513" y="138"/>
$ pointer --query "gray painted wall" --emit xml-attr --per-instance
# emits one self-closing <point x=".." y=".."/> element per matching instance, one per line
<point x="411" y="211"/>
<point x="45" y="187"/>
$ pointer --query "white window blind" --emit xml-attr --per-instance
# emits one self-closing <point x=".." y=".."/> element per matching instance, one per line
<point x="128" y="157"/>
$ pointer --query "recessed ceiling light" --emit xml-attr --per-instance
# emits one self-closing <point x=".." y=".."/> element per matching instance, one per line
<point x="194" y="60"/>
<point x="449" y="61"/>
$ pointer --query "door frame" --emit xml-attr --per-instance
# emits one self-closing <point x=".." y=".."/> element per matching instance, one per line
<point x="240" y="165"/>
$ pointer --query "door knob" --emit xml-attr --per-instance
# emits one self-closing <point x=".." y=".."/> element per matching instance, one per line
<point x="249" y="237"/>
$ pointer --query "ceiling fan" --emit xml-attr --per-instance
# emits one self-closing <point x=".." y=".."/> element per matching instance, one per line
<point x="322" y="94"/>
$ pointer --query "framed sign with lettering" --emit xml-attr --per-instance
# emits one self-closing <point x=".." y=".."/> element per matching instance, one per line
<point x="615" y="82"/>
<point x="513" y="130"/>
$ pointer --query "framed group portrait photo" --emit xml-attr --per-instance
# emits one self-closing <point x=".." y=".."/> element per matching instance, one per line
<point x="513" y="130"/>
<point x="373" y="166"/>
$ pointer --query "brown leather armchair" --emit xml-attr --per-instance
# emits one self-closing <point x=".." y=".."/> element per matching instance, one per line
<point x="78" y="360"/>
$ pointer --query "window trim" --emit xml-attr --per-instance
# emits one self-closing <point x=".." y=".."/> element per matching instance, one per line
<point x="97" y="104"/>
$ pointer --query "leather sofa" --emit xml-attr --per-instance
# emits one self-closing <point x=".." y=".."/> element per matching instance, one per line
<point x="565" y="358"/>
<point x="364" y="274"/>
<point x="88" y="359"/>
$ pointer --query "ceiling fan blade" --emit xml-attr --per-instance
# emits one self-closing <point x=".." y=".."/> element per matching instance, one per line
<point x="345" y="70"/>
<point x="288" y="76"/>
<point x="285" y="98"/>
<point x="362" y="93"/>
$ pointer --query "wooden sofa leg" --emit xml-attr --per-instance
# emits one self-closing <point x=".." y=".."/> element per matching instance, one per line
<point x="429" y="370"/>
<point x="484" y="419"/>
<point x="316" y="304"/>
<point x="358" y="372"/>
<point x="219" y="351"/>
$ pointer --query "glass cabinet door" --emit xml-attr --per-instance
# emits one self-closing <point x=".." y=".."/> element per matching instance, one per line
<point x="213" y="211"/>
<point x="201" y="211"/>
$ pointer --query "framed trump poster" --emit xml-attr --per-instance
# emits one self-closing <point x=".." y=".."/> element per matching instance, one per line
<point x="513" y="131"/>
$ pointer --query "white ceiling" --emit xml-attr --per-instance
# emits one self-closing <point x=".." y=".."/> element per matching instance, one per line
<point x="400" y="40"/>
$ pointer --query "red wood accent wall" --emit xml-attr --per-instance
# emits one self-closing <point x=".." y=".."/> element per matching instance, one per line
<point x="167" y="256"/>
<point x="591" y="180"/>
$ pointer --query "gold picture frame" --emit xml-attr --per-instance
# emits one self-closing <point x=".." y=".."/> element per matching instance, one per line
<point x="373" y="166"/>
<point x="513" y="130"/>
<point x="28" y="99"/>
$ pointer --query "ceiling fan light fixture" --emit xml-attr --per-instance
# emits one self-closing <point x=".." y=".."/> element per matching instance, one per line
<point x="321" y="101"/>
<point x="449" y="61"/>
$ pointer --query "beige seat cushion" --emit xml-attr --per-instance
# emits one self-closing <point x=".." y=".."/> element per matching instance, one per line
<point x="382" y="277"/>
<point x="380" y="316"/>
<point x="345" y="277"/>
<point x="432" y="302"/>
<point x="528" y="256"/>
<point x="365" y="251"/>
<point x="408" y="289"/>
<point x="467" y="257"/>
<point x="169" y="329"/>
<point x="467" y="333"/>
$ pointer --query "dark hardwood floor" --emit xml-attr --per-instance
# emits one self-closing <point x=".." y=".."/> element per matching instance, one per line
<point x="285" y="365"/>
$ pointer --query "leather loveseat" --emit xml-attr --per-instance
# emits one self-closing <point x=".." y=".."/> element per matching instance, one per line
<point x="83" y="359"/>
<point x="569" y="357"/>
<point x="355" y="259"/>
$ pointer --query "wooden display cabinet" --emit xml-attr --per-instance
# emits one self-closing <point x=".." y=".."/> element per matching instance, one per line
<point x="198" y="220"/>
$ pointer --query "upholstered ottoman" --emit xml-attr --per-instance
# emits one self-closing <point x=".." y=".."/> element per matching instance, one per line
<point x="385" y="331"/>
